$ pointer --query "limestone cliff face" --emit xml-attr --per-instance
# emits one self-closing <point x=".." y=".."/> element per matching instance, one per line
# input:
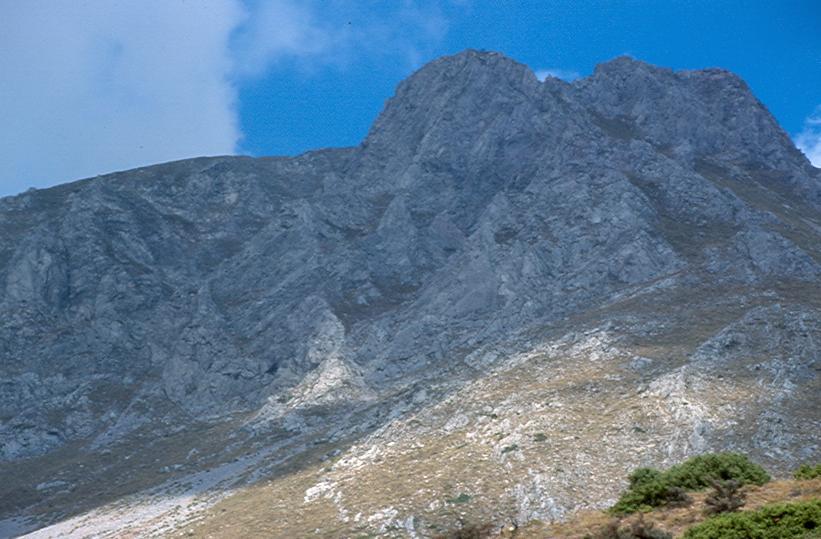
<point x="483" y="203"/>
<point x="482" y="199"/>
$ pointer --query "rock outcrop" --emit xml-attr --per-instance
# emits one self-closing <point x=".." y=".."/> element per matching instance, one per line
<point x="484" y="212"/>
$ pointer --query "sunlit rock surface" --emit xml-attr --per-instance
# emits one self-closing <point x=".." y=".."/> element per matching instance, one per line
<point x="630" y="261"/>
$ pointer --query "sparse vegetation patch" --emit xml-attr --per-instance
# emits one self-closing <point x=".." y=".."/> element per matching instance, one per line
<point x="638" y="529"/>
<point x="808" y="472"/>
<point x="509" y="448"/>
<point x="461" y="498"/>
<point x="726" y="497"/>
<point x="469" y="531"/>
<point x="652" y="488"/>
<point x="780" y="521"/>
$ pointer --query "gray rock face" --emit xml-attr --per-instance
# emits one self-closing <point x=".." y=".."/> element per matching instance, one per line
<point x="482" y="203"/>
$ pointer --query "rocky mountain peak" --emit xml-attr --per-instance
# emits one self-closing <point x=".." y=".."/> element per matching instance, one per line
<point x="627" y="237"/>
<point x="625" y="66"/>
<point x="460" y="111"/>
<point x="695" y="114"/>
<point x="464" y="91"/>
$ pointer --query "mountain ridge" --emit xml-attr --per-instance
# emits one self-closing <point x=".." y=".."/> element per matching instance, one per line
<point x="329" y="298"/>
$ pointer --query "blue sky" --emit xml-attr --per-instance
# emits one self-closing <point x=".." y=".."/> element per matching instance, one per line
<point x="93" y="86"/>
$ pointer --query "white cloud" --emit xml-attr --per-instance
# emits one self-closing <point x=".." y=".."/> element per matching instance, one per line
<point x="809" y="139"/>
<point x="96" y="86"/>
<point x="279" y="29"/>
<point x="93" y="86"/>
<point x="336" y="33"/>
<point x="564" y="74"/>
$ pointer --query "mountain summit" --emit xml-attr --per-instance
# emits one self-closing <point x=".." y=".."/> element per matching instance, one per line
<point x="504" y="277"/>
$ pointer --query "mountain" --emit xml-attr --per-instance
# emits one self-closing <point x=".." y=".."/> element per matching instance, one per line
<point x="510" y="294"/>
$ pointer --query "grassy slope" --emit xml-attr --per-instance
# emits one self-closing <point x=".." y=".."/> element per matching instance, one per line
<point x="674" y="520"/>
<point x="542" y="420"/>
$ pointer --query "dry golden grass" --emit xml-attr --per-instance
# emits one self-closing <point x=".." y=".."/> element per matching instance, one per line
<point x="417" y="465"/>
<point x="532" y="425"/>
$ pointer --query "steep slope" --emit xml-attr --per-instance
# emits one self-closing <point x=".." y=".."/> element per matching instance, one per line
<point x="636" y="250"/>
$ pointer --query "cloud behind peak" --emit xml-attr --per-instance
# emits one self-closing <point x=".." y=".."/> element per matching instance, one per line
<point x="809" y="139"/>
<point x="96" y="86"/>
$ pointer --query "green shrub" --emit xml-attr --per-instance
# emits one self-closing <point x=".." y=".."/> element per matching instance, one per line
<point x="808" y="472"/>
<point x="781" y="521"/>
<point x="461" y="498"/>
<point x="509" y="448"/>
<point x="648" y="494"/>
<point x="643" y="475"/>
<point x="726" y="497"/>
<point x="469" y="531"/>
<point x="638" y="529"/>
<point x="699" y="472"/>
<point x="652" y="488"/>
